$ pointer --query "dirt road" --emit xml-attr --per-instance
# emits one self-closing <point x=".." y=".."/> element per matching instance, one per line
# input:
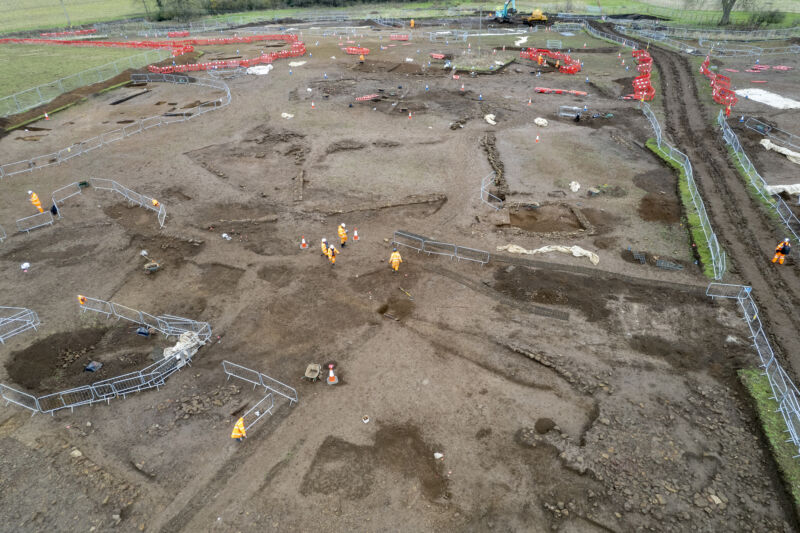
<point x="746" y="233"/>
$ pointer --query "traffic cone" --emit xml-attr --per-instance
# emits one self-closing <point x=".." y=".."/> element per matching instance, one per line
<point x="332" y="379"/>
<point x="312" y="105"/>
<point x="741" y="119"/>
<point x="537" y="138"/>
<point x="355" y="234"/>
<point x="303" y="243"/>
<point x="46" y="116"/>
<point x="409" y="115"/>
<point x="462" y="87"/>
<point x="529" y="101"/>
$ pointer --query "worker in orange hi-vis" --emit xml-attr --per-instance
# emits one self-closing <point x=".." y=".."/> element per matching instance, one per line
<point x="395" y="260"/>
<point x="81" y="299"/>
<point x="34" y="198"/>
<point x="332" y="251"/>
<point x="154" y="202"/>
<point x="342" y="235"/>
<point x="323" y="245"/>
<point x="238" y="432"/>
<point x="781" y="251"/>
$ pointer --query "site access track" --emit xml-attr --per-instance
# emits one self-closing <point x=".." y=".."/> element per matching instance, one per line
<point x="744" y="230"/>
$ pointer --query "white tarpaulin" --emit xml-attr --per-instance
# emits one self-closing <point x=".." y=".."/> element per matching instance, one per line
<point x="771" y="99"/>
<point x="259" y="70"/>
<point x="576" y="251"/>
<point x="297" y="63"/>
<point x="185" y="348"/>
<point x="490" y="118"/>
<point x="789" y="189"/>
<point x="792" y="156"/>
<point x="539" y="121"/>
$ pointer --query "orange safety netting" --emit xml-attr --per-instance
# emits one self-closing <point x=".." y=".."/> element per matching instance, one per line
<point x="566" y="64"/>
<point x="356" y="51"/>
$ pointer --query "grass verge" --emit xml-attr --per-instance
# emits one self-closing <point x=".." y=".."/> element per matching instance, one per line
<point x="40" y="117"/>
<point x="767" y="206"/>
<point x="692" y="218"/>
<point x="774" y="428"/>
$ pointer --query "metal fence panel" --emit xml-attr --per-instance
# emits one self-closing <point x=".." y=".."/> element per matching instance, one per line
<point x="15" y="320"/>
<point x="439" y="248"/>
<point x="471" y="254"/>
<point x="403" y="238"/>
<point x="67" y="191"/>
<point x="240" y="372"/>
<point x="258" y="411"/>
<point x="32" y="222"/>
<point x="17" y="397"/>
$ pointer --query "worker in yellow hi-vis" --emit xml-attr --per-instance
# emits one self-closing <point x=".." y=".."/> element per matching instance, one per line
<point x="34" y="198"/>
<point x="395" y="260"/>
<point x="238" y="432"/>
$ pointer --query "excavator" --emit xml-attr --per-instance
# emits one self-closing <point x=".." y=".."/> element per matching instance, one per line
<point x="505" y="15"/>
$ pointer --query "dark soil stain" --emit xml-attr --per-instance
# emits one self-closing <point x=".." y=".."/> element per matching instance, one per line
<point x="350" y="471"/>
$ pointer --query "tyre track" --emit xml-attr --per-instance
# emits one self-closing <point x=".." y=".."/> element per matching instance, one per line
<point x="744" y="230"/>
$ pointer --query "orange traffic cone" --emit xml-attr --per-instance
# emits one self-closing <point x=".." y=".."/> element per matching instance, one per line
<point x="462" y="86"/>
<point x="332" y="379"/>
<point x="312" y="105"/>
<point x="303" y="243"/>
<point x="529" y="101"/>
<point x="355" y="234"/>
<point x="537" y="138"/>
<point x="46" y="116"/>
<point x="409" y="115"/>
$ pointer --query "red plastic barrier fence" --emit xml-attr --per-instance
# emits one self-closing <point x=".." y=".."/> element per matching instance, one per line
<point x="177" y="34"/>
<point x="64" y="33"/>
<point x="437" y="56"/>
<point x="643" y="90"/>
<point x="399" y="37"/>
<point x="296" y="49"/>
<point x="545" y="90"/>
<point x="569" y="66"/>
<point x="720" y="85"/>
<point x="367" y="98"/>
<point x="356" y="51"/>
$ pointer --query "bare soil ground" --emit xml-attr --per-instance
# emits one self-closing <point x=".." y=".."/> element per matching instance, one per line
<point x="563" y="396"/>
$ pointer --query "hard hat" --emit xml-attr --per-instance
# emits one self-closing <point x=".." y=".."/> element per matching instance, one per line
<point x="786" y="239"/>
<point x="30" y="192"/>
<point x="324" y="239"/>
<point x="342" y="224"/>
<point x="394" y="249"/>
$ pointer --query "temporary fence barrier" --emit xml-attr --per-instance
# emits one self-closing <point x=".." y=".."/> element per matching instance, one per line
<point x="446" y="36"/>
<point x="403" y="37"/>
<point x="133" y="197"/>
<point x="356" y="50"/>
<point x="296" y="49"/>
<point x="720" y="85"/>
<point x="261" y="409"/>
<point x="564" y="63"/>
<point x="784" y="391"/>
<point x="33" y="222"/>
<point x="15" y="320"/>
<point x="728" y="35"/>
<point x="569" y="111"/>
<point x="61" y="194"/>
<point x="71" y="32"/>
<point x="429" y="246"/>
<point x="486" y="196"/>
<point x="718" y="258"/>
<point x="260" y="380"/>
<point x="591" y="30"/>
<point x="152" y="376"/>
<point x="758" y="183"/>
<point x="772" y="132"/>
<point x="41" y="94"/>
<point x="168" y="325"/>
<point x="80" y="148"/>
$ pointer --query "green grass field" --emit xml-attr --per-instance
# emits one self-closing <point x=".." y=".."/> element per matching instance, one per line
<point x="18" y="15"/>
<point x="26" y="66"/>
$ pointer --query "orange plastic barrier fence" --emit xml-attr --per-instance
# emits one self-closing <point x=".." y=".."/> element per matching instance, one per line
<point x="546" y="90"/>
<point x="720" y="85"/>
<point x="356" y="51"/>
<point x="399" y="37"/>
<point x="297" y="48"/>
<point x="643" y="90"/>
<point x="437" y="56"/>
<point x="569" y="66"/>
<point x="367" y="98"/>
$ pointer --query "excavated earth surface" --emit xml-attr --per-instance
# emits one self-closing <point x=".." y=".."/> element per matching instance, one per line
<point x="533" y="393"/>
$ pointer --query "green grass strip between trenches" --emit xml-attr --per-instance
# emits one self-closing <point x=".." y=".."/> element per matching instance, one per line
<point x="774" y="428"/>
<point x="769" y="207"/>
<point x="692" y="218"/>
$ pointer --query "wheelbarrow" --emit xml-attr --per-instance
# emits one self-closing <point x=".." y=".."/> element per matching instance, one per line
<point x="313" y="372"/>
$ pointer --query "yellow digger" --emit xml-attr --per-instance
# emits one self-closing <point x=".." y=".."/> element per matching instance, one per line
<point x="536" y="17"/>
